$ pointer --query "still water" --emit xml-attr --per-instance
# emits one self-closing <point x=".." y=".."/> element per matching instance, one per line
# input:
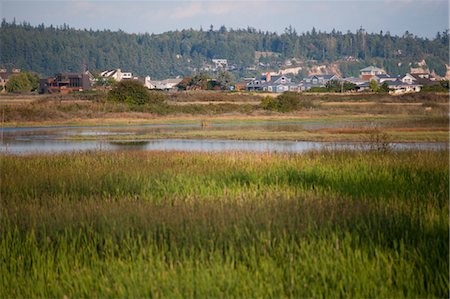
<point x="55" y="140"/>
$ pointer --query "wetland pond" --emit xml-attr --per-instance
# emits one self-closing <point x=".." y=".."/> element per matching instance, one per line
<point x="56" y="139"/>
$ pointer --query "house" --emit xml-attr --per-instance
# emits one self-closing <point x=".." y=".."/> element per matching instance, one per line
<point x="255" y="85"/>
<point x="271" y="83"/>
<point x="354" y="80"/>
<point x="279" y="84"/>
<point x="166" y="84"/>
<point x="220" y="63"/>
<point x="316" y="81"/>
<point x="361" y="84"/>
<point x="408" y="78"/>
<point x="369" y="72"/>
<point x="117" y="75"/>
<point x="364" y="86"/>
<point x="65" y="83"/>
<point x="381" y="78"/>
<point x="424" y="79"/>
<point x="400" y="87"/>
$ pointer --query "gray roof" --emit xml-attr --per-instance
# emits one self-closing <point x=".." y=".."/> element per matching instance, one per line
<point x="400" y="83"/>
<point x="325" y="77"/>
<point x="383" y="76"/>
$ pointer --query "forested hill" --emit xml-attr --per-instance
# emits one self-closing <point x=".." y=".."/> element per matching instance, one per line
<point x="47" y="50"/>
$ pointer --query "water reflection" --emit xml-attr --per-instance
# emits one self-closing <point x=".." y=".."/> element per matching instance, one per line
<point x="197" y="145"/>
<point x="53" y="140"/>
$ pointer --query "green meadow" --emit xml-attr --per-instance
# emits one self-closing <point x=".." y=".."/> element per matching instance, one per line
<point x="204" y="225"/>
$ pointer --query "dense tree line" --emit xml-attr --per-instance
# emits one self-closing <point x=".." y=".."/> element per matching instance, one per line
<point x="47" y="50"/>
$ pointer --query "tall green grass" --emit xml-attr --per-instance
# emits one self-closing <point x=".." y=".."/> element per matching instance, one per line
<point x="158" y="224"/>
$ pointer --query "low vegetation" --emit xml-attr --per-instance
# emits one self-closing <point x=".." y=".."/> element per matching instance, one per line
<point x="133" y="93"/>
<point x="122" y="103"/>
<point x="158" y="224"/>
<point x="287" y="102"/>
<point x="22" y="82"/>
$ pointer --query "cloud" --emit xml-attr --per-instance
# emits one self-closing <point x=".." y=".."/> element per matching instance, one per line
<point x="189" y="10"/>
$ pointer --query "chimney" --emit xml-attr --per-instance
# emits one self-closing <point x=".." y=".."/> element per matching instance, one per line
<point x="268" y="78"/>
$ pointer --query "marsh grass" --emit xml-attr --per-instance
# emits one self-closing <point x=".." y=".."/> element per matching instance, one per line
<point x="158" y="224"/>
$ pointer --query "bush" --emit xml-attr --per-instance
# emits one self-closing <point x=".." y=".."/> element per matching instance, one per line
<point x="318" y="89"/>
<point x="288" y="101"/>
<point x="269" y="103"/>
<point x="22" y="82"/>
<point x="134" y="93"/>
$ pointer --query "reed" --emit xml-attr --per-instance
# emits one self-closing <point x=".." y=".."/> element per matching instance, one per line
<point x="159" y="224"/>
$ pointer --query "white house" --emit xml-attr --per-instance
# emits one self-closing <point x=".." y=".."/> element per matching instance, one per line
<point x="117" y="75"/>
<point x="370" y="71"/>
<point x="399" y="87"/>
<point x="408" y="78"/>
<point x="220" y="63"/>
<point x="166" y="84"/>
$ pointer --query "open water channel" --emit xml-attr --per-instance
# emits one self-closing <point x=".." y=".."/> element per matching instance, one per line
<point x="27" y="140"/>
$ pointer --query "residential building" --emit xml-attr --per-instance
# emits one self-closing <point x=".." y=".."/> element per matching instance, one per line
<point x="278" y="84"/>
<point x="220" y="63"/>
<point x="316" y="81"/>
<point x="271" y="83"/>
<point x="255" y="85"/>
<point x="381" y="78"/>
<point x="117" y="75"/>
<point x="166" y="84"/>
<point x="65" y="83"/>
<point x="369" y="72"/>
<point x="400" y="87"/>
<point x="408" y="78"/>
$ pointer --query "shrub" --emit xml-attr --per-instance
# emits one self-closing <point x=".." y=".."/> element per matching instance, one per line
<point x="269" y="103"/>
<point x="288" y="101"/>
<point x="134" y="93"/>
<point x="22" y="82"/>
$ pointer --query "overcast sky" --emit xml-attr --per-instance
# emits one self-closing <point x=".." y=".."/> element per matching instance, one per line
<point x="420" y="17"/>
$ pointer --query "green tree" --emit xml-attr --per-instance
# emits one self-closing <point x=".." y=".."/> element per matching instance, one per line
<point x="200" y="81"/>
<point x="19" y="83"/>
<point x="134" y="93"/>
<point x="373" y="85"/>
<point x="184" y="83"/>
<point x="384" y="87"/>
<point x="225" y="79"/>
<point x="33" y="78"/>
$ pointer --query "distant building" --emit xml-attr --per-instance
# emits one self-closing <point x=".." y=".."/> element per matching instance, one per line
<point x="316" y="81"/>
<point x="369" y="72"/>
<point x="65" y="83"/>
<point x="166" y="84"/>
<point x="220" y="63"/>
<point x="381" y="78"/>
<point x="255" y="84"/>
<point x="279" y="84"/>
<point x="271" y="83"/>
<point x="399" y="87"/>
<point x="117" y="75"/>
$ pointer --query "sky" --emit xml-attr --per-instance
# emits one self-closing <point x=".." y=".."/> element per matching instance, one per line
<point x="423" y="18"/>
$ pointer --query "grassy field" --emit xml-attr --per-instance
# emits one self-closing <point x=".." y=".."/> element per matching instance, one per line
<point x="170" y="224"/>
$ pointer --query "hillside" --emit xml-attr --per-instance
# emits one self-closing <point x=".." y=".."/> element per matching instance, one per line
<point x="47" y="50"/>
